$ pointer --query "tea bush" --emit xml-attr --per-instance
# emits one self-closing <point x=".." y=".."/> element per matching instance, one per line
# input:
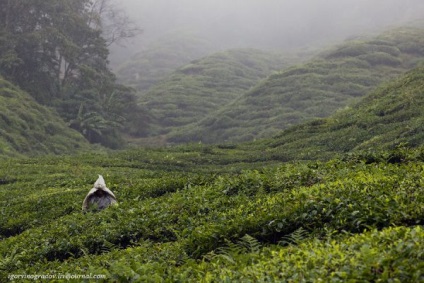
<point x="200" y="219"/>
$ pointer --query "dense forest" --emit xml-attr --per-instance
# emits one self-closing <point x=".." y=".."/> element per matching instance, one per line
<point x="57" y="51"/>
<point x="234" y="165"/>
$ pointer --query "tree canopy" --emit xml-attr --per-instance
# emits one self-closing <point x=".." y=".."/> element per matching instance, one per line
<point x="56" y="50"/>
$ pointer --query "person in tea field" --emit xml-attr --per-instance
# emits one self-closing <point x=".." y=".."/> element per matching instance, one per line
<point x="99" y="197"/>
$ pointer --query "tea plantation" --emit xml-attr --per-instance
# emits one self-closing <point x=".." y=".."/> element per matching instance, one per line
<point x="315" y="89"/>
<point x="213" y="214"/>
<point x="307" y="191"/>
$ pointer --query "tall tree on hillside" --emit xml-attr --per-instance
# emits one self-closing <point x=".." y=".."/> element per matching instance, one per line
<point x="57" y="51"/>
<point x="116" y="26"/>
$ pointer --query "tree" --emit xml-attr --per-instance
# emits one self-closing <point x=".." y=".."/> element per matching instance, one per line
<point x="116" y="26"/>
<point x="56" y="50"/>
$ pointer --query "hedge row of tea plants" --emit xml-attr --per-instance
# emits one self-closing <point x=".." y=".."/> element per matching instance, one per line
<point x="390" y="255"/>
<point x="179" y="224"/>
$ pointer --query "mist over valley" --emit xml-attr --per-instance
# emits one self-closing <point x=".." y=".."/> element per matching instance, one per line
<point x="271" y="24"/>
<point x="188" y="34"/>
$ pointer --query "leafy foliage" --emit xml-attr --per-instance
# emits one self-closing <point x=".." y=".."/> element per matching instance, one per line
<point x="354" y="258"/>
<point x="55" y="51"/>
<point x="177" y="220"/>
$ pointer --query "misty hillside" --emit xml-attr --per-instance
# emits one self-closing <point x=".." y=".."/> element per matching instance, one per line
<point x="27" y="127"/>
<point x="205" y="85"/>
<point x="388" y="117"/>
<point x="161" y="58"/>
<point x="332" y="80"/>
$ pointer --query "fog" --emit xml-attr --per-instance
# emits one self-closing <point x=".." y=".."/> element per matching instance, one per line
<point x="266" y="24"/>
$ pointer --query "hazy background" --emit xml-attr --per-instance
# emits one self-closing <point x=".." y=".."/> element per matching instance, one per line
<point x="266" y="24"/>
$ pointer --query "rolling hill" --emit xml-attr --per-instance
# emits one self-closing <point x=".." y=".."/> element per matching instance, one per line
<point x="389" y="117"/>
<point x="29" y="128"/>
<point x="205" y="85"/>
<point x="160" y="58"/>
<point x="315" y="89"/>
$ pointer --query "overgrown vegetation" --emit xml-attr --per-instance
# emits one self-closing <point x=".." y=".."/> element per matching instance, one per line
<point x="57" y="52"/>
<point x="316" y="89"/>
